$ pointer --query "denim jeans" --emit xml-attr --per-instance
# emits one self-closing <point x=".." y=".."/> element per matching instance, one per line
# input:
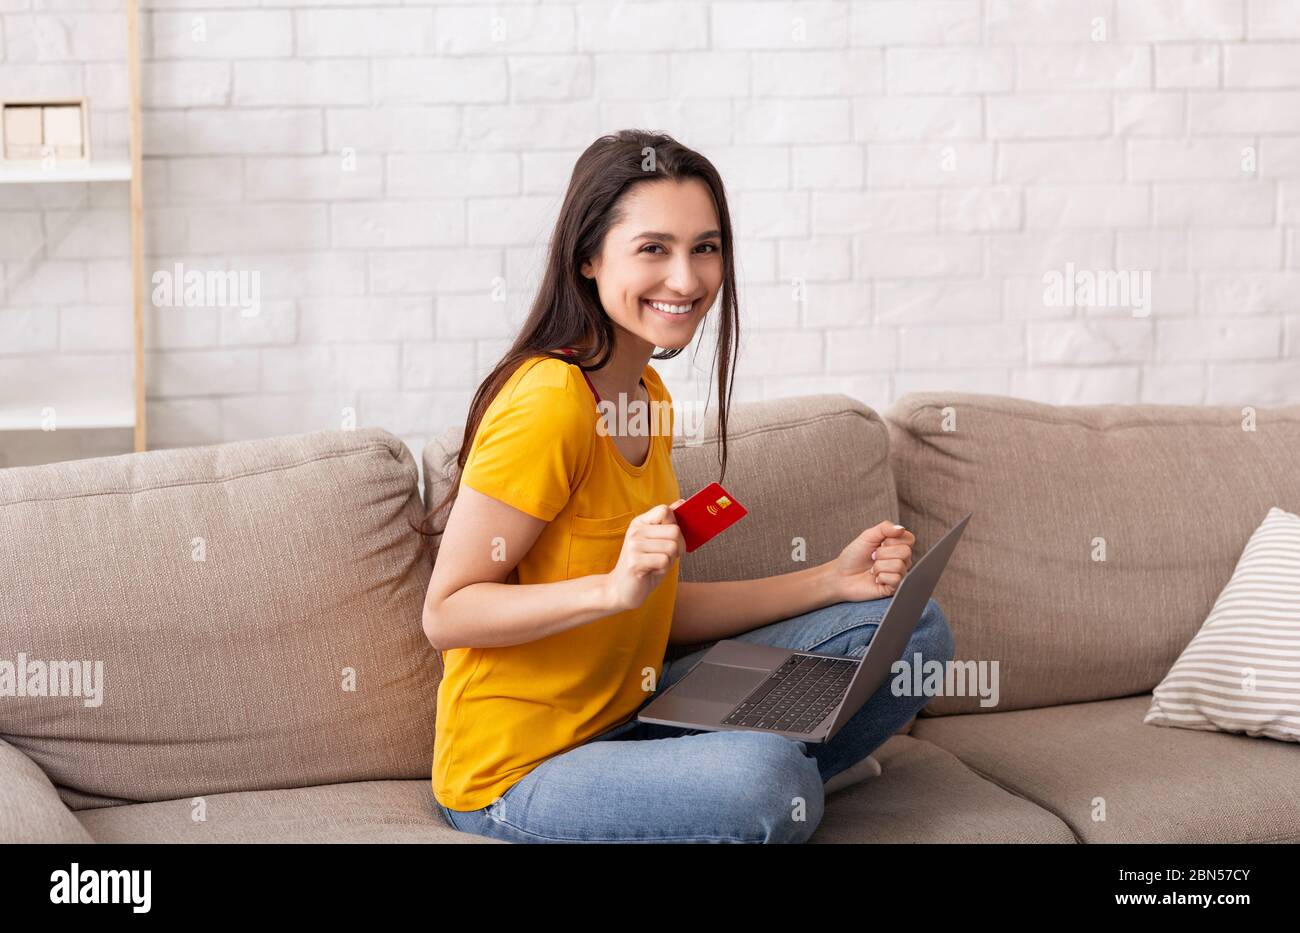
<point x="644" y="782"/>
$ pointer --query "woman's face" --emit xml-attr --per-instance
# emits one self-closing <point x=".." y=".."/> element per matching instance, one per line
<point x="666" y="250"/>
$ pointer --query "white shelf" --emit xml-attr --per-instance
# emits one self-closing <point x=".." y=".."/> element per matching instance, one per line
<point x="31" y="420"/>
<point x="65" y="171"/>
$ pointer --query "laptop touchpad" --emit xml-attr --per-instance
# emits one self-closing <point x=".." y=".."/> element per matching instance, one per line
<point x="720" y="682"/>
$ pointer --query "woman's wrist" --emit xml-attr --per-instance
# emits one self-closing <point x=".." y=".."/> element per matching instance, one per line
<point x="602" y="593"/>
<point x="830" y="584"/>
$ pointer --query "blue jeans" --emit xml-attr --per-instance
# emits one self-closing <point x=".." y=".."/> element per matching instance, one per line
<point x="643" y="782"/>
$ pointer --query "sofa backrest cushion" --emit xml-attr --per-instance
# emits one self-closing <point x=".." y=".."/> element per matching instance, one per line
<point x="235" y="595"/>
<point x="1100" y="535"/>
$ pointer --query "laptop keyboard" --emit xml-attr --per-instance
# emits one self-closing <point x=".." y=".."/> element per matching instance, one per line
<point x="798" y="695"/>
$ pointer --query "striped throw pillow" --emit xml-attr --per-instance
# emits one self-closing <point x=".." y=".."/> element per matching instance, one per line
<point x="1241" y="671"/>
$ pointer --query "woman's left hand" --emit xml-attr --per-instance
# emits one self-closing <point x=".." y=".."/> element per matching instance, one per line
<point x="873" y="563"/>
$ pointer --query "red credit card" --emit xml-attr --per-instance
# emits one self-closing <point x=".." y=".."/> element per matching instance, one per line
<point x="707" y="513"/>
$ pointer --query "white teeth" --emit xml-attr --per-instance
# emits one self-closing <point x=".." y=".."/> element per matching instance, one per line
<point x="670" y="309"/>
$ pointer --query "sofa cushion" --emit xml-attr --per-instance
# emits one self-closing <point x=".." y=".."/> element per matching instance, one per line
<point x="367" y="811"/>
<point x="1167" y="495"/>
<point x="813" y="469"/>
<point x="924" y="794"/>
<point x="1240" y="672"/>
<point x="229" y="672"/>
<point x="1084" y="761"/>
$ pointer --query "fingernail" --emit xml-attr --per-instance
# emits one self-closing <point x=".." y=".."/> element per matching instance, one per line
<point x="898" y="526"/>
<point x="873" y="555"/>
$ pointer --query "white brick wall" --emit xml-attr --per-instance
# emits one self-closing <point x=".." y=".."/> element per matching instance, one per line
<point x="917" y="166"/>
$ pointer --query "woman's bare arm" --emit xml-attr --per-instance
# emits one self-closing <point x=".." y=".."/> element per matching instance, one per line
<point x="469" y="604"/>
<point x="710" y="611"/>
<point x="869" y="567"/>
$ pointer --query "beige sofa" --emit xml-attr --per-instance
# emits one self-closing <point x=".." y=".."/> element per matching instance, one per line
<point x="256" y="609"/>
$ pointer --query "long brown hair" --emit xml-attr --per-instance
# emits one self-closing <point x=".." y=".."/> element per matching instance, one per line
<point x="567" y="311"/>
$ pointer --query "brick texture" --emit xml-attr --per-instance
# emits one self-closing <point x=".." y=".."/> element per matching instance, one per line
<point x="917" y="167"/>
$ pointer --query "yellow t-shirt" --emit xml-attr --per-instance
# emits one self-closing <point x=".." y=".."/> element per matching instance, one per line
<point x="502" y="711"/>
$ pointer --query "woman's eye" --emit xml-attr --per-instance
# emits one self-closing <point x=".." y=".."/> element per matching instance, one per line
<point x="712" y="246"/>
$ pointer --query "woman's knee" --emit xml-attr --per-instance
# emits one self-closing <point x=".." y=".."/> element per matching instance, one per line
<point x="781" y="797"/>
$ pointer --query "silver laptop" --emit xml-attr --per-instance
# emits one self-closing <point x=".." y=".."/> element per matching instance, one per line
<point x="804" y="696"/>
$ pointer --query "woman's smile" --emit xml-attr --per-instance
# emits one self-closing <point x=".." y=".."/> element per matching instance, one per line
<point x="680" y="310"/>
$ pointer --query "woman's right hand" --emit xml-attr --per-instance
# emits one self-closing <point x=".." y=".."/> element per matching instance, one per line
<point x="650" y="545"/>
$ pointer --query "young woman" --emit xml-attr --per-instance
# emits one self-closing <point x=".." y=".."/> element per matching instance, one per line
<point x="555" y="591"/>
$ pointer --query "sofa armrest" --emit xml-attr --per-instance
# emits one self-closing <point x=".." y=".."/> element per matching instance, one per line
<point x="30" y="808"/>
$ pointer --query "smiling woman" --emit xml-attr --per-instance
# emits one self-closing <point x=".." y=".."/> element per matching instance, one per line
<point x="640" y="255"/>
<point x="555" y="591"/>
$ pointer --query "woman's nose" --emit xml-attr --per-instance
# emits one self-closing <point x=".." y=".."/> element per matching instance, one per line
<point x="684" y="280"/>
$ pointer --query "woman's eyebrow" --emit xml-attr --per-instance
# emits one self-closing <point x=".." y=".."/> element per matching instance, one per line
<point x="668" y="237"/>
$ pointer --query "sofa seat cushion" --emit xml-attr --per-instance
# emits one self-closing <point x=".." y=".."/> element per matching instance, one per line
<point x="925" y="794"/>
<point x="365" y="811"/>
<point x="1157" y="785"/>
